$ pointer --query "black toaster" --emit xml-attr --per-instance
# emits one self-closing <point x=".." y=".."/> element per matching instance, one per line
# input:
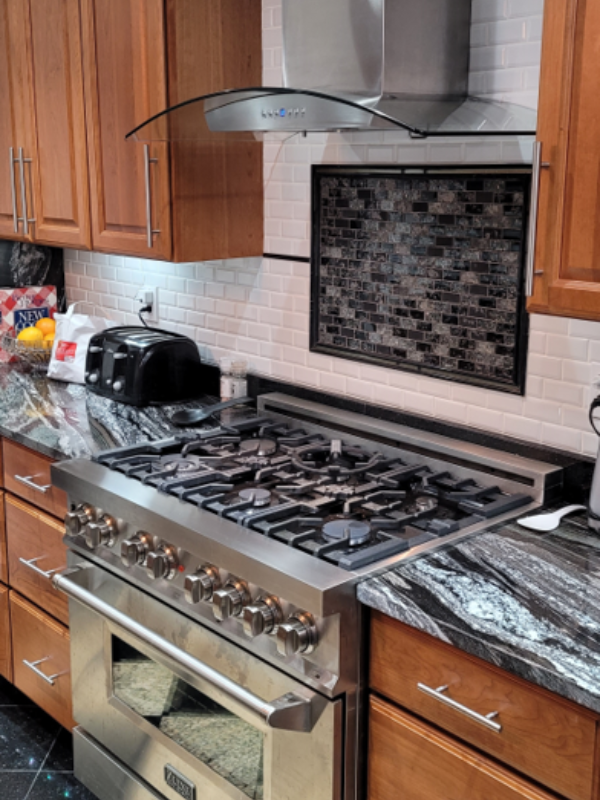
<point x="143" y="366"/>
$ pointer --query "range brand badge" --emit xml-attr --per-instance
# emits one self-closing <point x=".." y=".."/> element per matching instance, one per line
<point x="179" y="783"/>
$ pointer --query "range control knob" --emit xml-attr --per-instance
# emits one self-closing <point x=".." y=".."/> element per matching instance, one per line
<point x="76" y="520"/>
<point x="162" y="563"/>
<point x="298" y="635"/>
<point x="103" y="531"/>
<point x="134" y="551"/>
<point x="262" y="617"/>
<point x="202" y="585"/>
<point x="230" y="600"/>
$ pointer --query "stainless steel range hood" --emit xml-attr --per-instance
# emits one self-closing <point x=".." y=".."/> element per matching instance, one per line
<point x="356" y="65"/>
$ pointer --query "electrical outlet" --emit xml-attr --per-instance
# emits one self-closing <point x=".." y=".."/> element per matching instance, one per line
<point x="148" y="296"/>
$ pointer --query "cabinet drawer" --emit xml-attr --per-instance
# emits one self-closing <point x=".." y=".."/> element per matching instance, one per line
<point x="548" y="739"/>
<point x="34" y="537"/>
<point x="3" y="553"/>
<point x="27" y="474"/>
<point x="410" y="760"/>
<point x="5" y="642"/>
<point x="41" y="659"/>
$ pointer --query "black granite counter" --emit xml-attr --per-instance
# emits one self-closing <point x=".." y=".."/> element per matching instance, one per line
<point x="63" y="420"/>
<point x="526" y="602"/>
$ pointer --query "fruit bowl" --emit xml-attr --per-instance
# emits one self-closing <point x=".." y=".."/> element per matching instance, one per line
<point x="34" y="355"/>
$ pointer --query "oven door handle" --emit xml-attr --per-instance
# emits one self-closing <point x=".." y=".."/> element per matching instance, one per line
<point x="291" y="712"/>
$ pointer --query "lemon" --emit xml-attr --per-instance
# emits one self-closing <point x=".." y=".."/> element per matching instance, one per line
<point x="46" y="325"/>
<point x="48" y="342"/>
<point x="31" y="337"/>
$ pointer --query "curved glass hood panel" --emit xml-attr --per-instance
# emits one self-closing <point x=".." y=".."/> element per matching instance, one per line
<point x="248" y="114"/>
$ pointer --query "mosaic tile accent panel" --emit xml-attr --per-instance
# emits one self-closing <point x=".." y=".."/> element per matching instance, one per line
<point x="422" y="272"/>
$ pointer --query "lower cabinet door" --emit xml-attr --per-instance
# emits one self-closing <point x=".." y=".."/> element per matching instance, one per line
<point x="408" y="759"/>
<point x="5" y="641"/>
<point x="41" y="659"/>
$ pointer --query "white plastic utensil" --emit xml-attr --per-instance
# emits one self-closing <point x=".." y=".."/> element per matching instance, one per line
<point x="548" y="522"/>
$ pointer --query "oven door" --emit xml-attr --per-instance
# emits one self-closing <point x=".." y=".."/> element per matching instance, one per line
<point x="190" y="713"/>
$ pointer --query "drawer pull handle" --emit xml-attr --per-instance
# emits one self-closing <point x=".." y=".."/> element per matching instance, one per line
<point x="33" y="666"/>
<point x="32" y="565"/>
<point x="31" y="484"/>
<point x="438" y="694"/>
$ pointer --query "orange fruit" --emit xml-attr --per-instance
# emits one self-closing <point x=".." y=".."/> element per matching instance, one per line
<point x="46" y="325"/>
<point x="31" y="337"/>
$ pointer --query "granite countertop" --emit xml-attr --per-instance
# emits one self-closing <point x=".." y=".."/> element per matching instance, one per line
<point x="64" y="420"/>
<point x="526" y="602"/>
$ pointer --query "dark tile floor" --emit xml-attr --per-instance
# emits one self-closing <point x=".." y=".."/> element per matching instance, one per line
<point x="36" y="753"/>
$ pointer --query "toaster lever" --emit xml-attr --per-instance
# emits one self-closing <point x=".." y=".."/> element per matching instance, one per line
<point x="119" y="356"/>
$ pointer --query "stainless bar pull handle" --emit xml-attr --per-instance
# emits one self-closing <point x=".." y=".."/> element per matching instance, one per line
<point x="33" y="666"/>
<point x="25" y="218"/>
<point x="31" y="563"/>
<point x="31" y="484"/>
<point x="147" y="161"/>
<point x="537" y="166"/>
<point x="13" y="188"/>
<point x="291" y="712"/>
<point x="438" y="694"/>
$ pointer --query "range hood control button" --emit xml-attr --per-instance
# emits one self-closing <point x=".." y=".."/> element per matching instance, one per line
<point x="103" y="531"/>
<point x="162" y="563"/>
<point x="297" y="635"/>
<point x="134" y="551"/>
<point x="202" y="585"/>
<point x="262" y="617"/>
<point x="76" y="521"/>
<point x="230" y="600"/>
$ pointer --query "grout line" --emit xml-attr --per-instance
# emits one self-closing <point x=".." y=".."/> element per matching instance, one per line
<point x="38" y="773"/>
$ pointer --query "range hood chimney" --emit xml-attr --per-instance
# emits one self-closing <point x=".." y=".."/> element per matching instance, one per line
<point x="358" y="65"/>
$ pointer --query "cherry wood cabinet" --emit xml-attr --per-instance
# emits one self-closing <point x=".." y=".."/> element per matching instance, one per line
<point x="27" y="475"/>
<point x="34" y="545"/>
<point x="41" y="659"/>
<point x="13" y="77"/>
<point x="567" y="255"/>
<point x="183" y="201"/>
<point x="491" y="717"/>
<point x="3" y="550"/>
<point x="412" y="761"/>
<point x="43" y="122"/>
<point x="542" y="736"/>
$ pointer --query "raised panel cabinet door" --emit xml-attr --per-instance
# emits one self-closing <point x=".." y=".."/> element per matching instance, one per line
<point x="567" y="265"/>
<point x="3" y="547"/>
<point x="409" y="760"/>
<point x="14" y="78"/>
<point x="59" y="163"/>
<point x="125" y="84"/>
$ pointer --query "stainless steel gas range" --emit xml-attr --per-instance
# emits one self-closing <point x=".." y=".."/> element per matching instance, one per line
<point x="217" y="643"/>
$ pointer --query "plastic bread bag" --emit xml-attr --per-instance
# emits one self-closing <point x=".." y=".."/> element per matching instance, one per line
<point x="72" y="337"/>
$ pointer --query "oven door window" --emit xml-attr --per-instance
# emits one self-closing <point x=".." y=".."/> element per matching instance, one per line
<point x="227" y="744"/>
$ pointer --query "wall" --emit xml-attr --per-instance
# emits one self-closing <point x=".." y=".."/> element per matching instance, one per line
<point x="260" y="307"/>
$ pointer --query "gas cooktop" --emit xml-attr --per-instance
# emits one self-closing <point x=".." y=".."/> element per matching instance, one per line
<point x="348" y="504"/>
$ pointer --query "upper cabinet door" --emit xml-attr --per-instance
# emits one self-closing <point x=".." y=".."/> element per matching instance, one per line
<point x="59" y="172"/>
<point x="13" y="76"/>
<point x="567" y="257"/>
<point x="125" y="82"/>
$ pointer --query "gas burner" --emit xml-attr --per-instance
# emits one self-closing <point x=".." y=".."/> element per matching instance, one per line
<point x="262" y="447"/>
<point x="258" y="497"/>
<point x="425" y="503"/>
<point x="353" y="532"/>
<point x="178" y="465"/>
<point x="335" y="459"/>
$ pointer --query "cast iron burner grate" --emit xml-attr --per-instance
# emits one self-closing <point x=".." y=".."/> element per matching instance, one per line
<point x="348" y="505"/>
